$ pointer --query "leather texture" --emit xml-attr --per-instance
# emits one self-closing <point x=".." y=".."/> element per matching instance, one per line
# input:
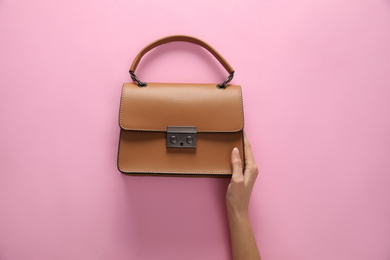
<point x="181" y="38"/>
<point x="159" y="105"/>
<point x="146" y="112"/>
<point x="145" y="152"/>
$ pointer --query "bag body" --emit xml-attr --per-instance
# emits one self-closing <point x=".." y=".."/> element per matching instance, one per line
<point x="179" y="129"/>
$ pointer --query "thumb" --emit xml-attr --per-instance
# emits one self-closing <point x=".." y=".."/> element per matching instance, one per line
<point x="237" y="173"/>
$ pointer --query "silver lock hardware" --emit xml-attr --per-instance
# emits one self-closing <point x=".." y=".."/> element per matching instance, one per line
<point x="181" y="137"/>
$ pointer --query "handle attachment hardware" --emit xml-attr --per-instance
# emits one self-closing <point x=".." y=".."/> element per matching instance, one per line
<point x="223" y="85"/>
<point x="134" y="78"/>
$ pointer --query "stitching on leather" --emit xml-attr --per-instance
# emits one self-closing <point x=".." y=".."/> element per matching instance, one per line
<point x="199" y="130"/>
<point x="175" y="172"/>
<point x="120" y="110"/>
<point x="242" y="112"/>
<point x="242" y="153"/>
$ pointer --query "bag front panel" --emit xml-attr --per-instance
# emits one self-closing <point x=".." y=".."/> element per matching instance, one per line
<point x="145" y="152"/>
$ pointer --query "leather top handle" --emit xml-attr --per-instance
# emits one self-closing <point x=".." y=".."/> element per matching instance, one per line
<point x="180" y="38"/>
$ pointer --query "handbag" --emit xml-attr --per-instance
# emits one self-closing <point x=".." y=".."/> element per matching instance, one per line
<point x="179" y="129"/>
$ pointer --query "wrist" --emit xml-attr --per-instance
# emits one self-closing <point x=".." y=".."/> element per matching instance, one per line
<point x="237" y="214"/>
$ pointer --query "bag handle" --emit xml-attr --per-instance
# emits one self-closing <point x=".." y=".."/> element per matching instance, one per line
<point x="180" y="38"/>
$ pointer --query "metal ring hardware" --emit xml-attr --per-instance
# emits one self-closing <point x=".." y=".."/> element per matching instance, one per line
<point x="134" y="78"/>
<point x="223" y="85"/>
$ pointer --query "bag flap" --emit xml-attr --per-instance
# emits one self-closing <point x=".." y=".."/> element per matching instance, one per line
<point x="159" y="105"/>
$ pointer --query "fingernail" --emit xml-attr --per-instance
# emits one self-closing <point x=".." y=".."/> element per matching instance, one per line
<point x="236" y="153"/>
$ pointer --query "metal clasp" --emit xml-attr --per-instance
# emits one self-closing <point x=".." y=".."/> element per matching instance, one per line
<point x="134" y="78"/>
<point x="181" y="137"/>
<point x="223" y="85"/>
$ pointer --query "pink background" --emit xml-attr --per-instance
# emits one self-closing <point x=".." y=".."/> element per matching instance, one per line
<point x="316" y="83"/>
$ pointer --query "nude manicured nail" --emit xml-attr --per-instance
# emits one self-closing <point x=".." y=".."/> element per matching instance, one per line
<point x="236" y="153"/>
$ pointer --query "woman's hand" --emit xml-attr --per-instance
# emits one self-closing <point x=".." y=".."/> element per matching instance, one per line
<point x="241" y="185"/>
<point x="239" y="191"/>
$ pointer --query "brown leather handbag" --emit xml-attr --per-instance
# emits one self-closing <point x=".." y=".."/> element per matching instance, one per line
<point x="180" y="129"/>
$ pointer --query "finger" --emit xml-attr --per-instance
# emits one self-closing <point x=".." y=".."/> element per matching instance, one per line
<point x="237" y="173"/>
<point x="251" y="170"/>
